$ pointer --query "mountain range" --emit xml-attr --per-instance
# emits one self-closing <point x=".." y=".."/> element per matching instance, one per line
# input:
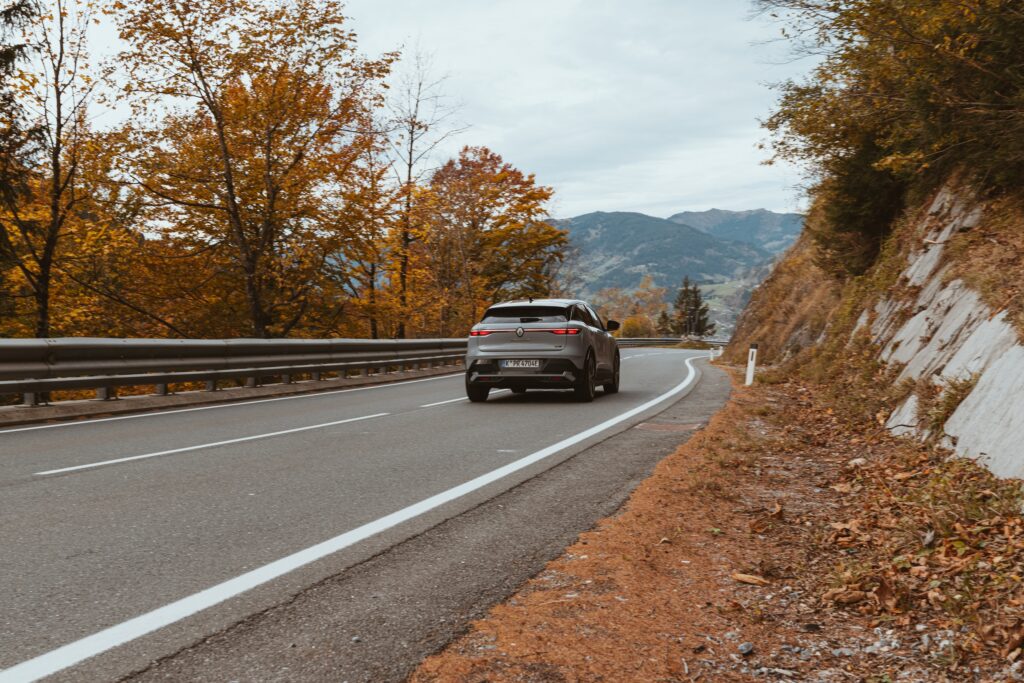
<point x="727" y="252"/>
<point x="771" y="231"/>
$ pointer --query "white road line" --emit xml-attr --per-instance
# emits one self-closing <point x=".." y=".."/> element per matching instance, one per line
<point x="456" y="400"/>
<point x="233" y="404"/>
<point x="441" y="403"/>
<point x="207" y="445"/>
<point x="90" y="646"/>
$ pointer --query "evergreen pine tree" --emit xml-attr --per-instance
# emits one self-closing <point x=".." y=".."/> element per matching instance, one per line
<point x="690" y="317"/>
<point x="665" y="325"/>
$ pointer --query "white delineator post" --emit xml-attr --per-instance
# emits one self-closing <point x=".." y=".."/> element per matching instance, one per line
<point x="751" y="362"/>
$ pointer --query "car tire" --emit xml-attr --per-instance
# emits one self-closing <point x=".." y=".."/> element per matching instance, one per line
<point x="613" y="386"/>
<point x="586" y="384"/>
<point x="476" y="393"/>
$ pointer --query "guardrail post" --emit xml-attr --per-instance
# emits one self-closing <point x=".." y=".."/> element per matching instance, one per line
<point x="286" y="379"/>
<point x="315" y="376"/>
<point x="106" y="393"/>
<point x="161" y="390"/>
<point x="30" y="398"/>
<point x="211" y="385"/>
<point x="751" y="363"/>
<point x="252" y="382"/>
<point x="364" y="372"/>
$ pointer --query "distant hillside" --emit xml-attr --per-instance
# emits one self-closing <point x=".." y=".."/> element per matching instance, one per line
<point x="773" y="232"/>
<point x="617" y="249"/>
<point x="728" y="252"/>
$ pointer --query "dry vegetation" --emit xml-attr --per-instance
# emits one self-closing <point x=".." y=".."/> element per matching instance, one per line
<point x="789" y="311"/>
<point x="990" y="258"/>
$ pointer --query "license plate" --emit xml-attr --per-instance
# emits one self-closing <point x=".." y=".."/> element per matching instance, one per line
<point x="520" y="364"/>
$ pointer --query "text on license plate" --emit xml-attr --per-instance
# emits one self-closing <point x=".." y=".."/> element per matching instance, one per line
<point x="520" y="364"/>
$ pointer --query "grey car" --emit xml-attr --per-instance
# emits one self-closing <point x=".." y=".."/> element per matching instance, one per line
<point x="542" y="344"/>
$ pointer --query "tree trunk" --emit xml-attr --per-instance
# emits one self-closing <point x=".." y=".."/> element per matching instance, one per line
<point x="374" y="332"/>
<point x="403" y="269"/>
<point x="42" y="297"/>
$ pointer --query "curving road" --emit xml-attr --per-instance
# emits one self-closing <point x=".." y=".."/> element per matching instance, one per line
<point x="126" y="539"/>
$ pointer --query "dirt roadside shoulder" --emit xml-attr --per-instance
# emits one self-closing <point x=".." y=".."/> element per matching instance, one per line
<point x="780" y="543"/>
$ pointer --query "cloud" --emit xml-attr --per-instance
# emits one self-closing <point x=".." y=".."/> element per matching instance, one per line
<point x="649" y="105"/>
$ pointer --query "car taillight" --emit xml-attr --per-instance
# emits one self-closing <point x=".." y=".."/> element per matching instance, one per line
<point x="568" y="330"/>
<point x="479" y="333"/>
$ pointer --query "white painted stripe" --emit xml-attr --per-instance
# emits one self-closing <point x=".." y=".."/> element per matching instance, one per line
<point x="90" y="646"/>
<point x="441" y="403"/>
<point x="186" y="449"/>
<point x="233" y="404"/>
<point x="456" y="400"/>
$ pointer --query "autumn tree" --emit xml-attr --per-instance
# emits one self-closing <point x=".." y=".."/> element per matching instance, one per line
<point x="17" y="138"/>
<point x="900" y="91"/>
<point x="273" y="101"/>
<point x="366" y="209"/>
<point x="638" y="309"/>
<point x="47" y="88"/>
<point x="485" y="236"/>
<point x="421" y="116"/>
<point x="119" y="279"/>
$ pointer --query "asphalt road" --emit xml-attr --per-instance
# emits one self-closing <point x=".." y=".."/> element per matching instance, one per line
<point x="126" y="540"/>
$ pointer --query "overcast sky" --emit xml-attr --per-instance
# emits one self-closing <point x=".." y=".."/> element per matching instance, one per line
<point x="620" y="105"/>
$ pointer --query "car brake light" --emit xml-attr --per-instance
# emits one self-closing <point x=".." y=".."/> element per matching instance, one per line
<point x="479" y="333"/>
<point x="568" y="330"/>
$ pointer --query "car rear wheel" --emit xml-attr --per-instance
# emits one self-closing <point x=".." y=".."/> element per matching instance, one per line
<point x="586" y="384"/>
<point x="476" y="393"/>
<point x="613" y="386"/>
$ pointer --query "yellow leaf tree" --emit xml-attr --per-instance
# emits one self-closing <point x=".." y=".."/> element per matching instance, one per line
<point x="486" y="237"/>
<point x="46" y="94"/>
<point x="274" y="103"/>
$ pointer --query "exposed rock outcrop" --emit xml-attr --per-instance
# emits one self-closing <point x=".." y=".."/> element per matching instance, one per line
<point x="938" y="333"/>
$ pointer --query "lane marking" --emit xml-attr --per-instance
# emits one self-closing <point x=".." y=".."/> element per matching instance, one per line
<point x="214" y="444"/>
<point x="441" y="403"/>
<point x="90" y="646"/>
<point x="233" y="404"/>
<point x="461" y="398"/>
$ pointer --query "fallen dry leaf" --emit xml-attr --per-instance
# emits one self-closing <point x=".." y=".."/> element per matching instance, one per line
<point x="752" y="579"/>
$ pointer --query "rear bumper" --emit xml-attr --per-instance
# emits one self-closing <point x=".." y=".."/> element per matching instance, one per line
<point x="554" y="374"/>
<point x="535" y="380"/>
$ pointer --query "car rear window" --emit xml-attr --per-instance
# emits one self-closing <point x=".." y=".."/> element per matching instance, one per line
<point x="526" y="314"/>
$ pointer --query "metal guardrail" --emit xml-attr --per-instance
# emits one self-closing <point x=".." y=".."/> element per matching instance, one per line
<point x="30" y="367"/>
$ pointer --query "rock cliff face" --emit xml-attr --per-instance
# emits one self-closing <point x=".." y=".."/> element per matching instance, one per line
<point x="940" y="338"/>
<point x="951" y="335"/>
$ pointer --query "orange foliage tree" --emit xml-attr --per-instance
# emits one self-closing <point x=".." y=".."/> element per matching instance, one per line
<point x="485" y="237"/>
<point x="274" y="101"/>
<point x="49" y="89"/>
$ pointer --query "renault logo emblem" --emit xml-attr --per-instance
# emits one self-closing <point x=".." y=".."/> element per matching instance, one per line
<point x="519" y="332"/>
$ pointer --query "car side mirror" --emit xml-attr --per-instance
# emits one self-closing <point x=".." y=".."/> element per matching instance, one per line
<point x="612" y="325"/>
